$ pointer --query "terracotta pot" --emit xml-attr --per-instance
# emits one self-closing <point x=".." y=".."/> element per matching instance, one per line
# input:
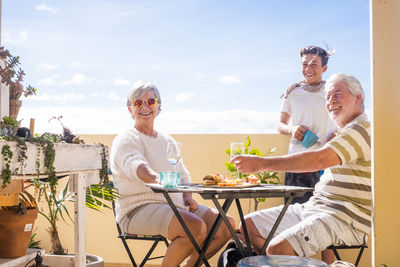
<point x="15" y="232"/>
<point x="15" y="105"/>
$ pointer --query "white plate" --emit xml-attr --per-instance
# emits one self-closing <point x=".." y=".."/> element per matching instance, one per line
<point x="230" y="186"/>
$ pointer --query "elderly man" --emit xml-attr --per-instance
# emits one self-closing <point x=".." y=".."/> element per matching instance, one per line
<point x="340" y="210"/>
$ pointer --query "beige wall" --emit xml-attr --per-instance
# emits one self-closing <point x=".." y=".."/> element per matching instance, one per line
<point x="203" y="154"/>
<point x="386" y="145"/>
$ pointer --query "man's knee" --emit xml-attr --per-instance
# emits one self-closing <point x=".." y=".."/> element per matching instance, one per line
<point x="251" y="227"/>
<point x="280" y="247"/>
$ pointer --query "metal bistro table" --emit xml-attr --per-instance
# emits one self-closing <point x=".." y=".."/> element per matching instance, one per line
<point x="229" y="194"/>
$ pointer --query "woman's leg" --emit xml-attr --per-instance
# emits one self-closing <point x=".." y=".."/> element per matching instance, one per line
<point x="181" y="247"/>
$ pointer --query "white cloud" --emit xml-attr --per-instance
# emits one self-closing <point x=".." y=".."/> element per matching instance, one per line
<point x="78" y="78"/>
<point x="79" y="120"/>
<point x="118" y="81"/>
<point x="184" y="97"/>
<point x="45" y="7"/>
<point x="102" y="120"/>
<point x="199" y="75"/>
<point x="75" y="65"/>
<point x="59" y="98"/>
<point x="227" y="121"/>
<point x="111" y="95"/>
<point x="46" y="82"/>
<point x="46" y="66"/>
<point x="229" y="79"/>
<point x="15" y="38"/>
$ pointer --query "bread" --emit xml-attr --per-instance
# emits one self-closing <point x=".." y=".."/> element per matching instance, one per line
<point x="213" y="179"/>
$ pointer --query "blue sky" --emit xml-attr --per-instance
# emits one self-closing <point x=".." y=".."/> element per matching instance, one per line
<point x="220" y="65"/>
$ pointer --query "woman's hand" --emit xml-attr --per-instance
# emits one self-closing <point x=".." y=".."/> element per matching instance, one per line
<point x="190" y="202"/>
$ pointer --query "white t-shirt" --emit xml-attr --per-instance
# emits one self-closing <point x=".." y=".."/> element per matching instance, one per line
<point x="308" y="109"/>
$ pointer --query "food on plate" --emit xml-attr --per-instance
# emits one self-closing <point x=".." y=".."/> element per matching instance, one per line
<point x="213" y="179"/>
<point x="240" y="181"/>
<point x="253" y="179"/>
<point x="220" y="180"/>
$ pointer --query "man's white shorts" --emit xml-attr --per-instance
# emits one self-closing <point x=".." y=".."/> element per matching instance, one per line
<point x="308" y="231"/>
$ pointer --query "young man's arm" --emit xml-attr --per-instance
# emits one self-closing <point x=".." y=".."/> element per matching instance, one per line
<point x="308" y="161"/>
<point x="297" y="131"/>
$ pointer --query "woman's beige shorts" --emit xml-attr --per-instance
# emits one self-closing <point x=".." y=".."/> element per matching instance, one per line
<point x="153" y="219"/>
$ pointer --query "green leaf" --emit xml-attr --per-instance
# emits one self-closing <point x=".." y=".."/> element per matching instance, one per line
<point x="248" y="142"/>
<point x="255" y="151"/>
<point x="230" y="167"/>
<point x="228" y="151"/>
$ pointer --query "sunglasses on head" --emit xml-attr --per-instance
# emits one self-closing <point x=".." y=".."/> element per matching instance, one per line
<point x="138" y="103"/>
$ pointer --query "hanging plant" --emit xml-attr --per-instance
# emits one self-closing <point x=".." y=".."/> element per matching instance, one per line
<point x="6" y="173"/>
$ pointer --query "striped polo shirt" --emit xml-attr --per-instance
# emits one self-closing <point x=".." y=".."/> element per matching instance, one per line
<point x="345" y="190"/>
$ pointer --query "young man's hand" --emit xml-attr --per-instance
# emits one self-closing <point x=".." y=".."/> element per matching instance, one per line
<point x="298" y="132"/>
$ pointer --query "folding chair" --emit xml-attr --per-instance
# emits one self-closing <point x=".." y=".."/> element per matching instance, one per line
<point x="360" y="247"/>
<point x="155" y="238"/>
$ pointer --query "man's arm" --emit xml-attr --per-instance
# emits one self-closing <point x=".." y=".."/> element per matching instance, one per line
<point x="297" y="131"/>
<point x="283" y="126"/>
<point x="308" y="161"/>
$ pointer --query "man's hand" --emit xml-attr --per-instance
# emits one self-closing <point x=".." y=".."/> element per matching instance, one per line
<point x="307" y="161"/>
<point x="248" y="163"/>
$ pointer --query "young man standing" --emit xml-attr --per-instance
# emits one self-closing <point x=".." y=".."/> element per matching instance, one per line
<point x="303" y="109"/>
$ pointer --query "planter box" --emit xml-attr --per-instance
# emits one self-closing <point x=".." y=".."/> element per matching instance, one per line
<point x="69" y="157"/>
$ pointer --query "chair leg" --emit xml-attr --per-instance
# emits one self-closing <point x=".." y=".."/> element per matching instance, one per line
<point x="359" y="256"/>
<point x="351" y="247"/>
<point x="336" y="254"/>
<point x="129" y="252"/>
<point x="149" y="253"/>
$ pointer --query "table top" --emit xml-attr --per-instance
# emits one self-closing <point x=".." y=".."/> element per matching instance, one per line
<point x="262" y="190"/>
<point x="278" y="261"/>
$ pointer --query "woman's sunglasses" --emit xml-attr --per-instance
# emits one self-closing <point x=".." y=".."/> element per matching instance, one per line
<point x="138" y="103"/>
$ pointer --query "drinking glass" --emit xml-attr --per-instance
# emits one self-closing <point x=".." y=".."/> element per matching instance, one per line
<point x="236" y="150"/>
<point x="174" y="153"/>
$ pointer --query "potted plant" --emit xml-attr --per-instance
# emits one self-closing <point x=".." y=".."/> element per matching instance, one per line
<point x="9" y="126"/>
<point x="46" y="190"/>
<point x="16" y="224"/>
<point x="47" y="193"/>
<point x="12" y="76"/>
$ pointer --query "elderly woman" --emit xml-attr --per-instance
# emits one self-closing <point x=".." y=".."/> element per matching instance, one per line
<point x="138" y="156"/>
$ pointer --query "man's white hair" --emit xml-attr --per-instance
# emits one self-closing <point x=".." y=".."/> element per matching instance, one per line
<point x="353" y="84"/>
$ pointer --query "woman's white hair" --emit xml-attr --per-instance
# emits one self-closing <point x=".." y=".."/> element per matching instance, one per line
<point x="353" y="84"/>
<point x="139" y="89"/>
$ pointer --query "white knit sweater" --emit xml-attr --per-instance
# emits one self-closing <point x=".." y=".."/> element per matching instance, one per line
<point x="130" y="150"/>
